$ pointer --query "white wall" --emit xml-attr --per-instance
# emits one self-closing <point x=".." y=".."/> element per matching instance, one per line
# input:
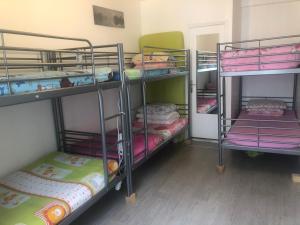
<point x="27" y="130"/>
<point x="268" y="18"/>
<point x="263" y="19"/>
<point x="181" y="15"/>
<point x="72" y="18"/>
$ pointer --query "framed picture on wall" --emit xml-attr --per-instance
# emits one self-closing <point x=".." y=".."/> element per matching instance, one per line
<point x="108" y="17"/>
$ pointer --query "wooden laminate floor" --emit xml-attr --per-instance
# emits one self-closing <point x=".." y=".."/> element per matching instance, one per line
<point x="180" y="186"/>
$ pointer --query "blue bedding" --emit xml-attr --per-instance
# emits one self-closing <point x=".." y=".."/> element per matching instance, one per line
<point x="137" y="73"/>
<point x="48" y="80"/>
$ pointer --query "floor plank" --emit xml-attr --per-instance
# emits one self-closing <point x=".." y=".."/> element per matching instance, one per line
<point x="180" y="186"/>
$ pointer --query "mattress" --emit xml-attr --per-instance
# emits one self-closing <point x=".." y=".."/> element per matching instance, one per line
<point x="93" y="146"/>
<point x="49" y="80"/>
<point x="137" y="73"/>
<point x="157" y="118"/>
<point x="51" y="188"/>
<point x="205" y="104"/>
<point x="165" y="131"/>
<point x="272" y="58"/>
<point x="247" y="136"/>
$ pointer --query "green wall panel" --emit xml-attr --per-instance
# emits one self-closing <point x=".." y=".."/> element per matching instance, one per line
<point x="171" y="90"/>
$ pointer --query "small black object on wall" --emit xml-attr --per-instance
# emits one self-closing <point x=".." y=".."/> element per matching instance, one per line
<point x="108" y="17"/>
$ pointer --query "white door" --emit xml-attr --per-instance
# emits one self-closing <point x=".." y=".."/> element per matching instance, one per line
<point x="203" y="125"/>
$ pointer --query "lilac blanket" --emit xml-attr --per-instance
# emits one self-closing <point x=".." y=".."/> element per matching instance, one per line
<point x="282" y="138"/>
<point x="272" y="58"/>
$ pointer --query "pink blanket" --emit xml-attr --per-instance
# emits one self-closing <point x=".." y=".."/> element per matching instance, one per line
<point x="93" y="146"/>
<point x="284" y="57"/>
<point x="139" y="145"/>
<point x="248" y="136"/>
<point x="165" y="131"/>
<point x="204" y="104"/>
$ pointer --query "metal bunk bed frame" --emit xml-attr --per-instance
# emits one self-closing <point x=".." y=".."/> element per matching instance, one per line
<point x="182" y="61"/>
<point x="55" y="95"/>
<point x="225" y="123"/>
<point x="206" y="61"/>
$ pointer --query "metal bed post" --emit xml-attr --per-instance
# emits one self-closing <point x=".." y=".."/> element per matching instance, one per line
<point x="144" y="86"/>
<point x="295" y="91"/>
<point x="220" y="93"/>
<point x="60" y="60"/>
<point x="126" y="152"/>
<point x="129" y="120"/>
<point x="103" y="135"/>
<point x="5" y="63"/>
<point x="126" y="136"/>
<point x="224" y="106"/>
<point x="189" y="91"/>
<point x="241" y="94"/>
<point x="259" y="55"/>
<point x="57" y="122"/>
<point x="42" y="60"/>
<point x="197" y="59"/>
<point x="61" y="123"/>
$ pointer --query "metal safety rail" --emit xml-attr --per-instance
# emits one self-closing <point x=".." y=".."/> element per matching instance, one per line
<point x="19" y="59"/>
<point x="206" y="92"/>
<point x="256" y="58"/>
<point x="260" y="137"/>
<point x="178" y="66"/>
<point x="260" y="129"/>
<point x="22" y="60"/>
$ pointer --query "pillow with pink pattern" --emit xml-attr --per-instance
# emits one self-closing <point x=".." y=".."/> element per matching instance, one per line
<point x="265" y="112"/>
<point x="266" y="104"/>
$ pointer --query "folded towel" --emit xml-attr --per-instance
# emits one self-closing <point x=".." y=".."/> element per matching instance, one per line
<point x="160" y="108"/>
<point x="157" y="122"/>
<point x="160" y="117"/>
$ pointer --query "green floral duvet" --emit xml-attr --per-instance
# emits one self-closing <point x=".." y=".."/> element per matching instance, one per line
<point x="50" y="189"/>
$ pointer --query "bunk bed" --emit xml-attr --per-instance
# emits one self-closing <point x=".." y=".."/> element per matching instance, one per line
<point x="265" y="123"/>
<point x="59" y="187"/>
<point x="156" y="64"/>
<point x="207" y="96"/>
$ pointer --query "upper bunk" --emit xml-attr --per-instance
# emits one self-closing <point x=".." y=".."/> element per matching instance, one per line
<point x="30" y="72"/>
<point x="156" y="63"/>
<point x="268" y="56"/>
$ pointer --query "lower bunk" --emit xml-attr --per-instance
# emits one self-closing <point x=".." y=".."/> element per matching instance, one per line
<point x="157" y="134"/>
<point x="272" y="133"/>
<point x="55" y="189"/>
<point x="163" y="120"/>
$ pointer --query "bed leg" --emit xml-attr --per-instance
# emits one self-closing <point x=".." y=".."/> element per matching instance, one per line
<point x="220" y="168"/>
<point x="131" y="199"/>
<point x="296" y="177"/>
<point x="188" y="141"/>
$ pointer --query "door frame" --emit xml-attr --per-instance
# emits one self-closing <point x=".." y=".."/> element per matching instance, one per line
<point x="194" y="31"/>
